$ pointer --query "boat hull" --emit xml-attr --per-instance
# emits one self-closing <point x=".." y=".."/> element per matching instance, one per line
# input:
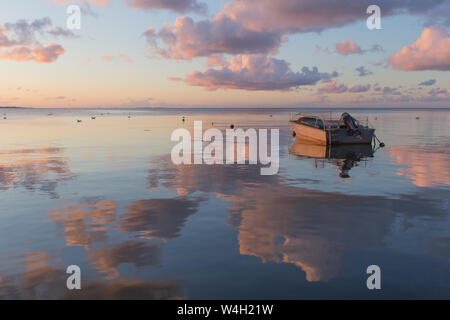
<point x="343" y="151"/>
<point x="336" y="136"/>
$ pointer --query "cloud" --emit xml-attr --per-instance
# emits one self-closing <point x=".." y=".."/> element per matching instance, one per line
<point x="363" y="72"/>
<point x="347" y="47"/>
<point x="41" y="54"/>
<point x="387" y="90"/>
<point x="85" y="3"/>
<point x="333" y="87"/>
<point x="430" y="52"/>
<point x="18" y="41"/>
<point x="186" y="39"/>
<point x="174" y="79"/>
<point x="439" y="15"/>
<point x="57" y="98"/>
<point x="23" y="32"/>
<point x="180" y="6"/>
<point x="86" y="62"/>
<point x="438" y="91"/>
<point x="428" y="82"/>
<point x="435" y="95"/>
<point x="124" y="57"/>
<point x="323" y="50"/>
<point x="260" y="26"/>
<point x="256" y="72"/>
<point x="359" y="88"/>
<point x="375" y="48"/>
<point x="315" y="15"/>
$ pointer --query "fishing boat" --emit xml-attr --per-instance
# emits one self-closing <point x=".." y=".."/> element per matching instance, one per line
<point x="345" y="130"/>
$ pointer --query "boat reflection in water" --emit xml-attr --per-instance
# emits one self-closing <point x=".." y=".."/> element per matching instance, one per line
<point x="345" y="157"/>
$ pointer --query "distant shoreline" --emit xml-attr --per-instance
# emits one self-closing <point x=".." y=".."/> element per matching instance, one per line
<point x="222" y="109"/>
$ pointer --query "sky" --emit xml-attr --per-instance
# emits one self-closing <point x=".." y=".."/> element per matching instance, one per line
<point x="224" y="53"/>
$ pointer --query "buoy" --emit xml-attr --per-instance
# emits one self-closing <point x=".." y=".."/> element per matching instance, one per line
<point x="232" y="126"/>
<point x="417" y="118"/>
<point x="382" y="144"/>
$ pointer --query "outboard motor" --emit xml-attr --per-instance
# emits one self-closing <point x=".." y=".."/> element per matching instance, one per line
<point x="350" y="123"/>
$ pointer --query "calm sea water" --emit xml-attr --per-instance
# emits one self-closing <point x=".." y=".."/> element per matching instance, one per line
<point x="103" y="194"/>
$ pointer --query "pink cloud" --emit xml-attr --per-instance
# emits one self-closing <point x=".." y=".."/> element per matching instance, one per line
<point x="179" y="6"/>
<point x="359" y="88"/>
<point x="100" y="3"/>
<point x="347" y="47"/>
<point x="430" y="52"/>
<point x="186" y="39"/>
<point x="435" y="95"/>
<point x="123" y="57"/>
<point x="18" y="41"/>
<point x="260" y="26"/>
<point x="174" y="79"/>
<point x="314" y="15"/>
<point x="333" y="87"/>
<point x="4" y="40"/>
<point x="41" y="54"/>
<point x="255" y="72"/>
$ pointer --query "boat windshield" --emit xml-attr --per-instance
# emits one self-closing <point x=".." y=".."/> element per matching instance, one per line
<point x="312" y="122"/>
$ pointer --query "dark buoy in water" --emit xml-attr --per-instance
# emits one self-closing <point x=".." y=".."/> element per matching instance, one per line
<point x="232" y="126"/>
<point x="417" y="118"/>
<point x="382" y="144"/>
